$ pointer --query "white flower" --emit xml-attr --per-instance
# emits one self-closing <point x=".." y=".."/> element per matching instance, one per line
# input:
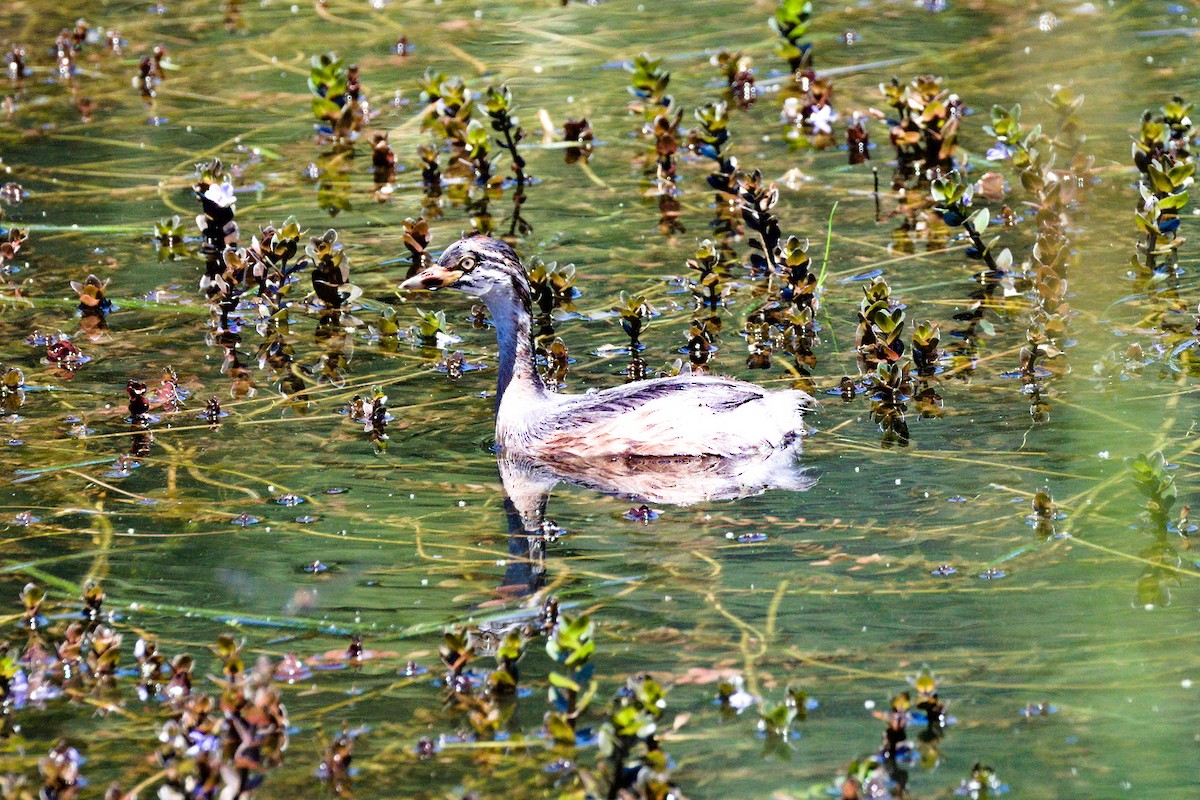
<point x="740" y="700"/>
<point x="999" y="152"/>
<point x="822" y="119"/>
<point x="221" y="194"/>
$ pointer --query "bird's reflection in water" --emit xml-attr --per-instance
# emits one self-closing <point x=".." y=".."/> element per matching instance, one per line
<point x="676" y="481"/>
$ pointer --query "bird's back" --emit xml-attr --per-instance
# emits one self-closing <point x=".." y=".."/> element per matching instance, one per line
<point x="677" y="416"/>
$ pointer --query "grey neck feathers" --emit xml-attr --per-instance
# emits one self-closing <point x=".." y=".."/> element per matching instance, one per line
<point x="511" y="309"/>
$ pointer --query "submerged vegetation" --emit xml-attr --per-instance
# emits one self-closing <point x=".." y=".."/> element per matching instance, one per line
<point x="254" y="543"/>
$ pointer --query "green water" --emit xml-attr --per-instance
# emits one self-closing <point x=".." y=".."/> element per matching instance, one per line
<point x="838" y="599"/>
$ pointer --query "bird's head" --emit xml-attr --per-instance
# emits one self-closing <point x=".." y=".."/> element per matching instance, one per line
<point x="477" y="265"/>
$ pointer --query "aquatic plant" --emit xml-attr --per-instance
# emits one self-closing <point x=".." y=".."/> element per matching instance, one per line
<point x="12" y="389"/>
<point x="32" y="597"/>
<point x="1055" y="174"/>
<point x="707" y="285"/>
<point x="431" y="172"/>
<point x="879" y="336"/>
<point x="925" y="356"/>
<point x="269" y="260"/>
<point x="214" y="191"/>
<point x="952" y="198"/>
<point x="552" y="288"/>
<point x="777" y="721"/>
<point x="491" y="703"/>
<point x="925" y="353"/>
<point x="709" y="292"/>
<point x="139" y="405"/>
<point x="1152" y="479"/>
<point x="711" y="134"/>
<point x="14" y="61"/>
<point x="664" y="129"/>
<point x="11" y="241"/>
<point x="431" y="327"/>
<point x="212" y="411"/>
<point x="865" y="778"/>
<point x="64" y="54"/>
<point x="890" y="387"/>
<point x="579" y="133"/>
<point x="1163" y="197"/>
<point x="60" y="772"/>
<point x="500" y="108"/>
<point x="62" y="352"/>
<point x="330" y="269"/>
<point x="738" y="71"/>
<point x="661" y="123"/>
<point x="449" y="102"/>
<point x="92" y="299"/>
<point x="376" y="419"/>
<point x="416" y="241"/>
<point x="334" y="769"/>
<point x="710" y="139"/>
<point x="150" y="74"/>
<point x="648" y="85"/>
<point x="1161" y="570"/>
<point x="808" y="113"/>
<point x="929" y="704"/>
<point x="788" y="320"/>
<point x="1044" y="514"/>
<point x="982" y="785"/>
<point x="338" y="101"/>
<point x="504" y="678"/>
<point x="383" y="163"/>
<point x="104" y="653"/>
<point x="456" y="651"/>
<point x="570" y="645"/>
<point x="448" y="115"/>
<point x="169" y="236"/>
<point x="1166" y="137"/>
<point x="758" y="198"/>
<point x="635" y="314"/>
<point x="807" y="110"/>
<point x="634" y="762"/>
<point x="792" y="20"/>
<point x="476" y="151"/>
<point x="924" y="129"/>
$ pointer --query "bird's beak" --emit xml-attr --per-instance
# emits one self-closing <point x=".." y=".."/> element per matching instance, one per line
<point x="432" y="277"/>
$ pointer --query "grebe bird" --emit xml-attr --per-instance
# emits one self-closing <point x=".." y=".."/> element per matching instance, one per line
<point x="684" y="416"/>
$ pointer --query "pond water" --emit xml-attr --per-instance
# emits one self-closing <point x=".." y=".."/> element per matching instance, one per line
<point x="1065" y="653"/>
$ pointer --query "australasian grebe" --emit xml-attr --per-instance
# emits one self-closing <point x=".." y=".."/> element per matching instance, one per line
<point x="682" y="415"/>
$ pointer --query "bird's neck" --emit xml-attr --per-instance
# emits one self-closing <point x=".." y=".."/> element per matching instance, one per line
<point x="511" y="312"/>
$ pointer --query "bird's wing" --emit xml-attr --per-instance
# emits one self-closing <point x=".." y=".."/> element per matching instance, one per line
<point x="668" y="417"/>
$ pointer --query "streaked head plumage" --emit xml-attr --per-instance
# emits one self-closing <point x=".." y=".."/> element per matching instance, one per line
<point x="476" y="265"/>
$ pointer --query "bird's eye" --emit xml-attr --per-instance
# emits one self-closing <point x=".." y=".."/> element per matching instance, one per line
<point x="466" y="264"/>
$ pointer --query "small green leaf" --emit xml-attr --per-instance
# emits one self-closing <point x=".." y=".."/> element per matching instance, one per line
<point x="563" y="682"/>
